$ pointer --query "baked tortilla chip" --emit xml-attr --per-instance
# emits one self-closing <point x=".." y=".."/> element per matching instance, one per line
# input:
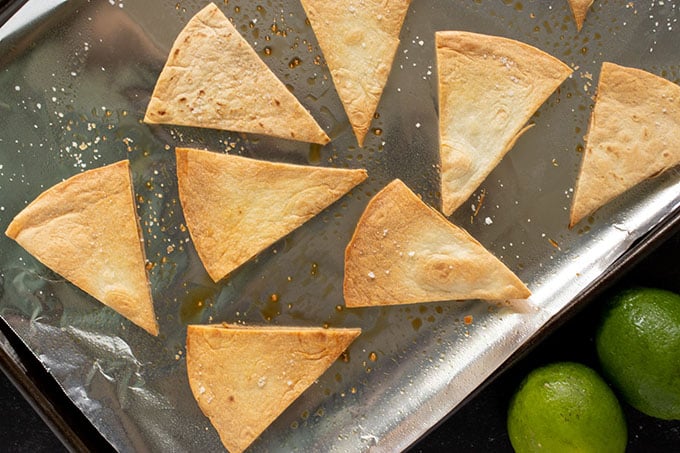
<point x="86" y="230"/>
<point x="235" y="207"/>
<point x="404" y="252"/>
<point x="214" y="79"/>
<point x="359" y="40"/>
<point x="488" y="89"/>
<point x="634" y="134"/>
<point x="580" y="8"/>
<point x="243" y="378"/>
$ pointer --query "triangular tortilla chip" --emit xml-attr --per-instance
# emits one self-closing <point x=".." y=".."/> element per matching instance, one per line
<point x="488" y="89"/>
<point x="404" y="252"/>
<point x="86" y="230"/>
<point x="214" y="79"/>
<point x="359" y="40"/>
<point x="235" y="207"/>
<point x="634" y="134"/>
<point x="580" y="8"/>
<point x="244" y="377"/>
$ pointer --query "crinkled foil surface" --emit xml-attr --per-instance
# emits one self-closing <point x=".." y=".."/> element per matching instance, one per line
<point x="75" y="79"/>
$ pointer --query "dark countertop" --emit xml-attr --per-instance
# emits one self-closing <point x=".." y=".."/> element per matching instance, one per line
<point x="21" y="429"/>
<point x="479" y="425"/>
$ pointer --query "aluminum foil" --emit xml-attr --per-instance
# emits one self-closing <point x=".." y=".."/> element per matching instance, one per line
<point x="75" y="79"/>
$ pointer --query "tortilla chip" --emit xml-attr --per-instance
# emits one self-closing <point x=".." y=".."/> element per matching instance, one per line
<point x="214" y="79"/>
<point x="488" y="89"/>
<point x="243" y="378"/>
<point x="634" y="134"/>
<point x="359" y="40"/>
<point x="86" y="230"/>
<point x="235" y="207"/>
<point x="404" y="252"/>
<point x="580" y="8"/>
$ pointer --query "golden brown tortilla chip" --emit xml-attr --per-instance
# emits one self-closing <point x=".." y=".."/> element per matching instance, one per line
<point x="634" y="134"/>
<point x="243" y="378"/>
<point x="235" y="207"/>
<point x="359" y="40"/>
<point x="488" y="89"/>
<point x="86" y="230"/>
<point x="404" y="252"/>
<point x="580" y="8"/>
<point x="214" y="79"/>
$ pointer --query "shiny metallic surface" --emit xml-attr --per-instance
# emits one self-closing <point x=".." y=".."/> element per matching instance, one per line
<point x="76" y="78"/>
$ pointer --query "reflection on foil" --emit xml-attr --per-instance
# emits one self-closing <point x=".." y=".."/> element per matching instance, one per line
<point x="114" y="362"/>
<point x="28" y="15"/>
<point x="29" y="294"/>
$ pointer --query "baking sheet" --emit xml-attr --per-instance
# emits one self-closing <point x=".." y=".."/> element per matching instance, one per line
<point x="76" y="77"/>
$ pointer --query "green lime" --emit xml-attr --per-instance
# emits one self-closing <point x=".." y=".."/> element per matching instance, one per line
<point x="638" y="343"/>
<point x="566" y="407"/>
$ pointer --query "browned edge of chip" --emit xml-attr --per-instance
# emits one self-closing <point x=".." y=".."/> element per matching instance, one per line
<point x="359" y="42"/>
<point x="54" y="203"/>
<point x="633" y="135"/>
<point x="235" y="207"/>
<point x="244" y="377"/>
<point x="579" y="9"/>
<point x="396" y="256"/>
<point x="462" y="171"/>
<point x="214" y="79"/>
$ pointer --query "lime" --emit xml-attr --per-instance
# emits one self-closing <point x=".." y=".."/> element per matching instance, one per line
<point x="566" y="407"/>
<point x="638" y="343"/>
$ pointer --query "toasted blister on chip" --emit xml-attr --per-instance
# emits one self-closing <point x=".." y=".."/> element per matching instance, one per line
<point x="86" y="230"/>
<point x="244" y="377"/>
<point x="634" y="134"/>
<point x="488" y="89"/>
<point x="359" y="40"/>
<point x="404" y="252"/>
<point x="236" y="206"/>
<point x="214" y="79"/>
<point x="580" y="8"/>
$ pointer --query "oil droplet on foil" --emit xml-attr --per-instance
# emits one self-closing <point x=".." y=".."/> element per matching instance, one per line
<point x="314" y="156"/>
<point x="294" y="63"/>
<point x="194" y="304"/>
<point x="271" y="308"/>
